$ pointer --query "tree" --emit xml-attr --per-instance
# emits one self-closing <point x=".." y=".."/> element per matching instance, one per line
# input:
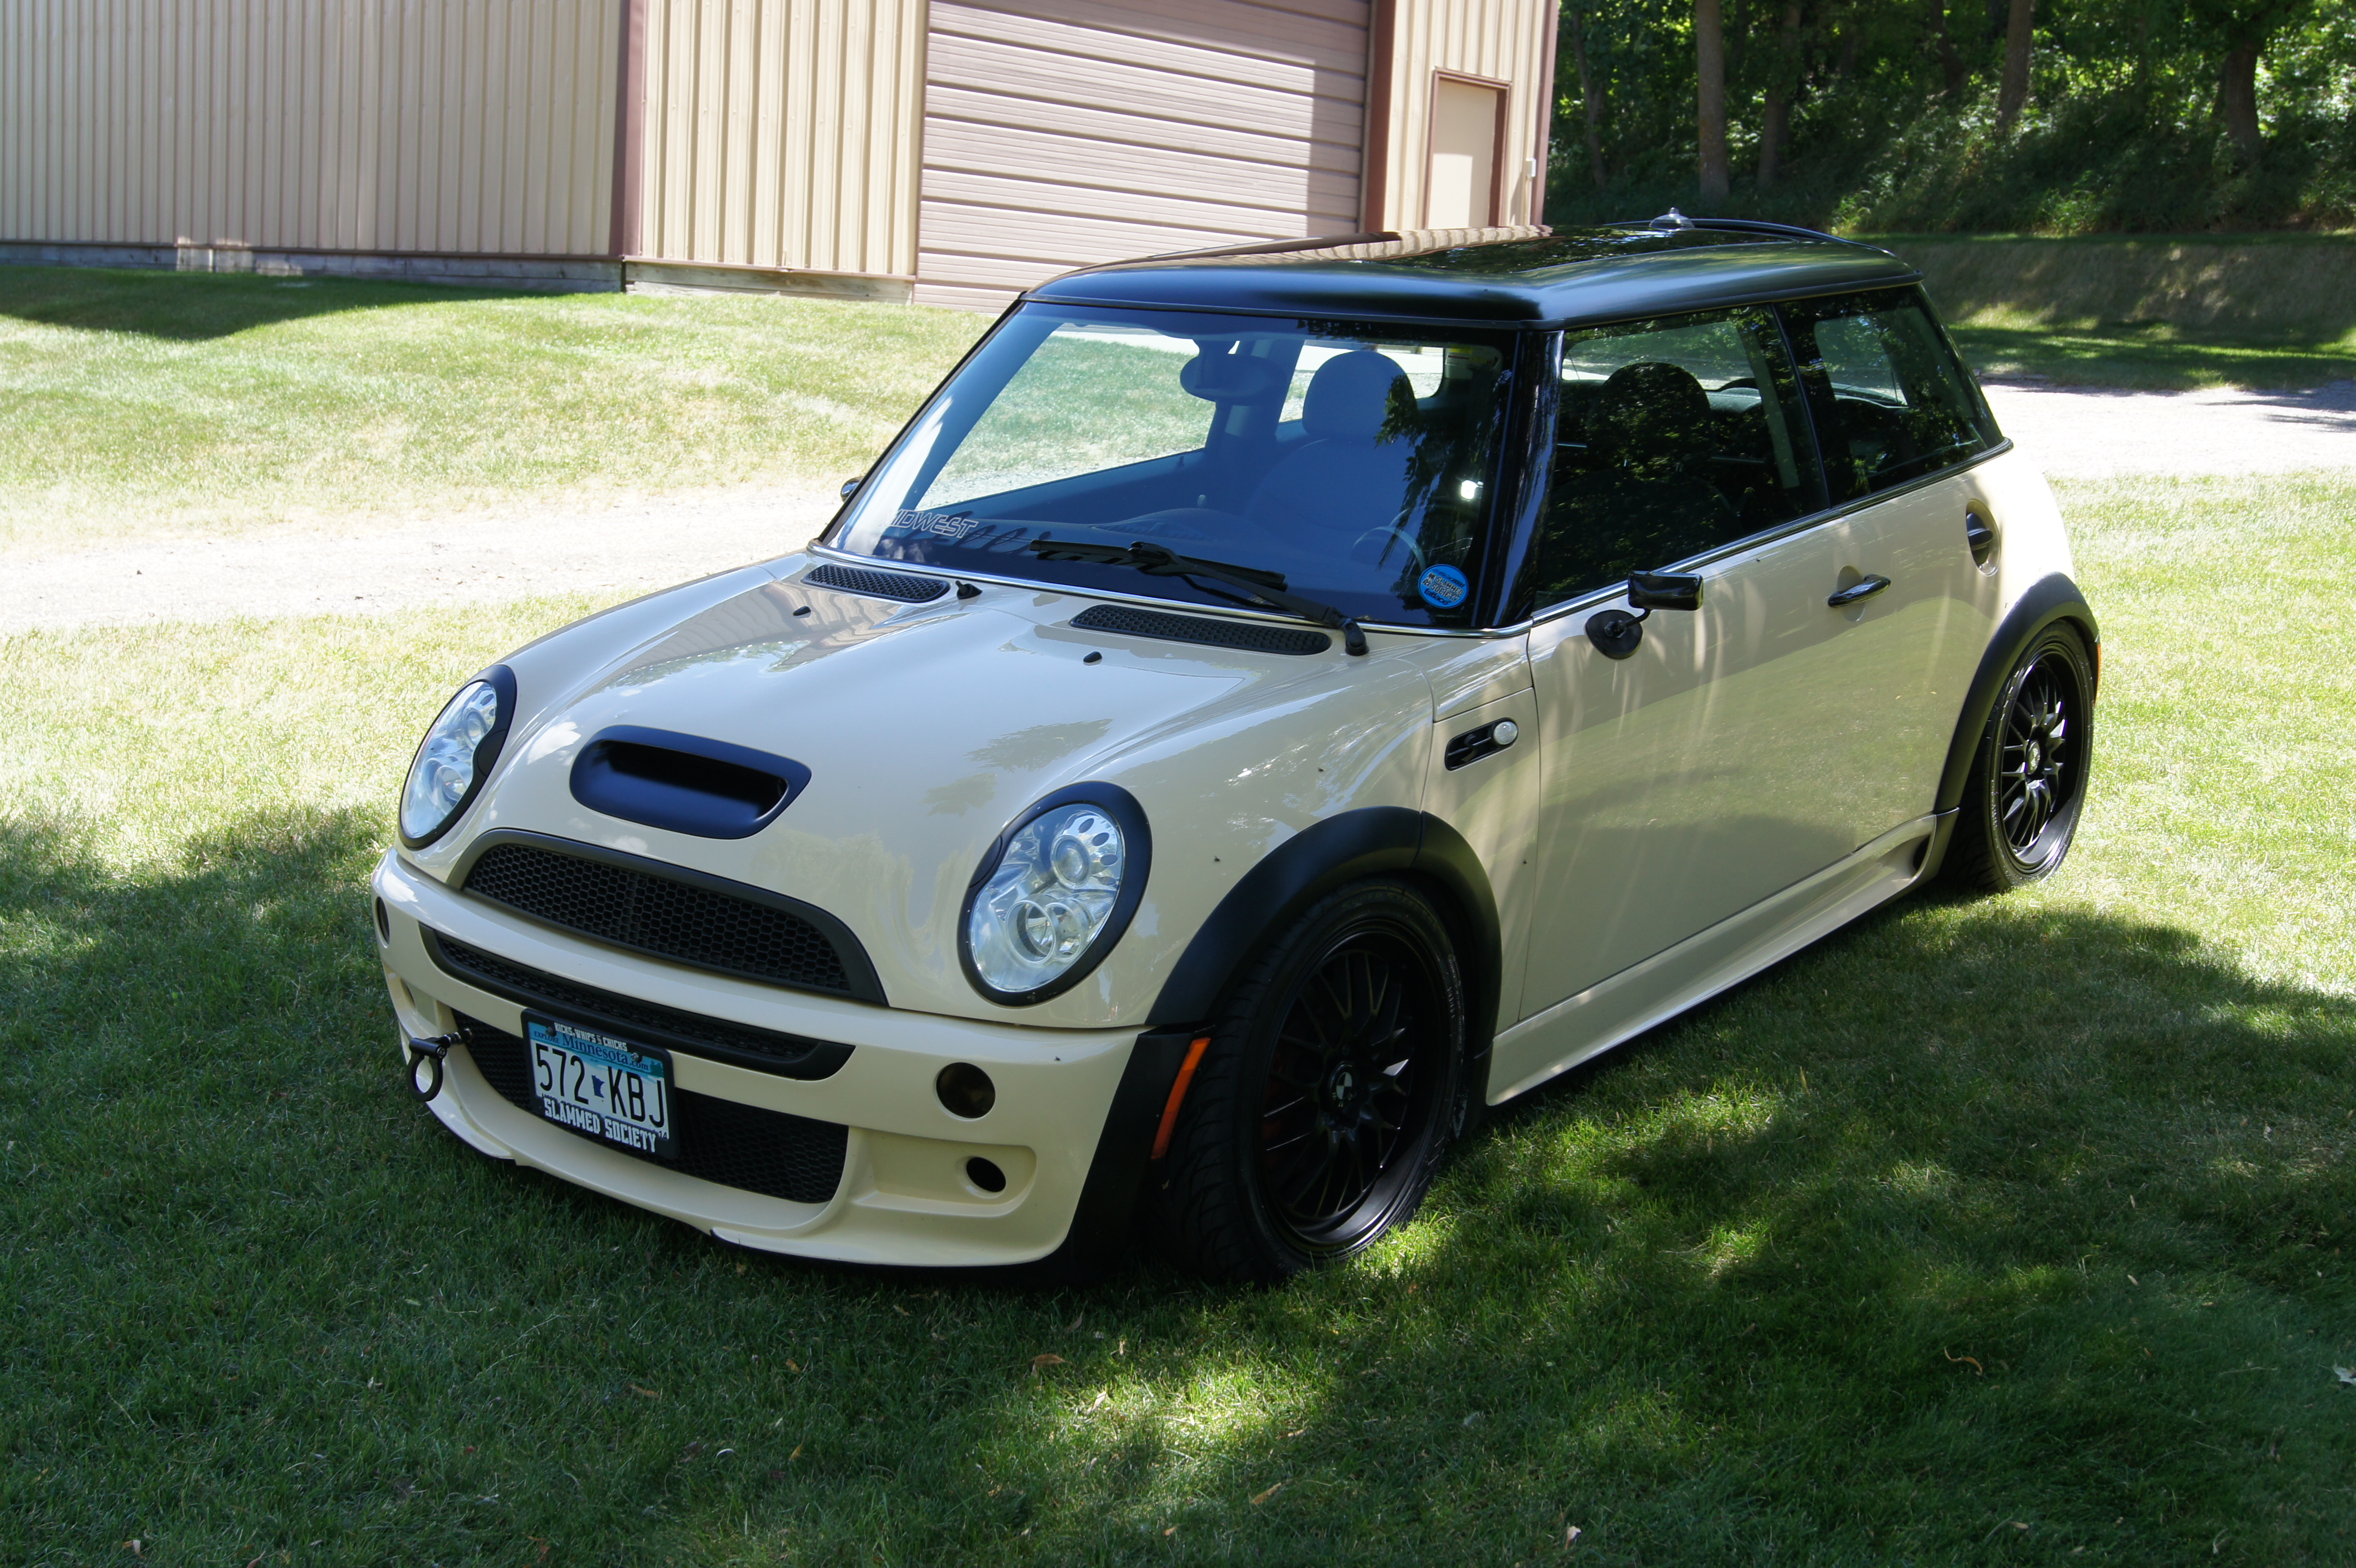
<point x="1775" y="113"/>
<point x="1589" y="97"/>
<point x="2018" y="38"/>
<point x="2239" y="31"/>
<point x="1953" y="74"/>
<point x="1709" y="59"/>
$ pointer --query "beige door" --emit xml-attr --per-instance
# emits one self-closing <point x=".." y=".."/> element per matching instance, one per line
<point x="1765" y="736"/>
<point x="1468" y="123"/>
<point x="1061" y="132"/>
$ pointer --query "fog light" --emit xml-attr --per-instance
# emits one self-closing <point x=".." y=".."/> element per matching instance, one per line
<point x="985" y="1174"/>
<point x="966" y="1091"/>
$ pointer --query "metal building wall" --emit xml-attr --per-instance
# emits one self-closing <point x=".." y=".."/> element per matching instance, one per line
<point x="782" y="134"/>
<point x="1064" y="132"/>
<point x="440" y="126"/>
<point x="1504" y="41"/>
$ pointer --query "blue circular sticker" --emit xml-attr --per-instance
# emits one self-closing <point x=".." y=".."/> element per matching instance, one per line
<point x="1442" y="587"/>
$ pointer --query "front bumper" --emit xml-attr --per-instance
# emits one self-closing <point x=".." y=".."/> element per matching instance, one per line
<point x="1060" y="1129"/>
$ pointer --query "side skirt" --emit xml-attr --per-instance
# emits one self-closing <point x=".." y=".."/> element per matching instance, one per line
<point x="1616" y="1010"/>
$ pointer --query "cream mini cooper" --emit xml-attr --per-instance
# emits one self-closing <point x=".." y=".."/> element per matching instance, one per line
<point x="1267" y="706"/>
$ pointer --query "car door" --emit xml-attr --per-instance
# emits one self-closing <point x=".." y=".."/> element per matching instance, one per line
<point x="1899" y="422"/>
<point x="1681" y="781"/>
<point x="1792" y="718"/>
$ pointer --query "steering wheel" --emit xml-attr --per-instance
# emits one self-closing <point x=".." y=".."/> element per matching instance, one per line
<point x="1387" y="533"/>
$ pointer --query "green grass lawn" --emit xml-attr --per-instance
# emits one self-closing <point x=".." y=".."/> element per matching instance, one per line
<point x="2151" y="356"/>
<point x="134" y="404"/>
<point x="2003" y="1231"/>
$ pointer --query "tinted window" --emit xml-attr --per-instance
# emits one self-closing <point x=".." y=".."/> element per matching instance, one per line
<point x="1674" y="437"/>
<point x="1893" y="402"/>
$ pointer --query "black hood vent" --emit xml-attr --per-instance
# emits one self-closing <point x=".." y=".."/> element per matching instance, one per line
<point x="905" y="586"/>
<point x="1203" y="629"/>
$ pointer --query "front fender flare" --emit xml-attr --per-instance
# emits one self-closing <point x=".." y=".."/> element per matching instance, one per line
<point x="1375" y="841"/>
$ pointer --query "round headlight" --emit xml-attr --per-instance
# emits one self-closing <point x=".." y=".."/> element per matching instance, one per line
<point x="455" y="756"/>
<point x="1054" y="894"/>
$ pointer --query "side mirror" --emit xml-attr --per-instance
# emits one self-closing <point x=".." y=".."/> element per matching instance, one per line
<point x="850" y="488"/>
<point x="1616" y="633"/>
<point x="1665" y="590"/>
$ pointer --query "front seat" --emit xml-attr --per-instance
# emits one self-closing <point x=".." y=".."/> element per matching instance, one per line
<point x="1650" y="501"/>
<point x="1346" y="478"/>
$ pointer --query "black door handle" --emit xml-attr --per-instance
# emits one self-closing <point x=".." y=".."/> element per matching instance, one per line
<point x="1857" y="592"/>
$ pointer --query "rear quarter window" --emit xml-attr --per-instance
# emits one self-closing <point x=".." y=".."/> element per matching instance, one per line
<point x="1892" y="402"/>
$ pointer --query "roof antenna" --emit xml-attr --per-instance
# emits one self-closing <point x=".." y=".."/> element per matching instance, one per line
<point x="1672" y="218"/>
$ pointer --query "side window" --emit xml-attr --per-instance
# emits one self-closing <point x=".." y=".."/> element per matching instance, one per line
<point x="1674" y="437"/>
<point x="1890" y="400"/>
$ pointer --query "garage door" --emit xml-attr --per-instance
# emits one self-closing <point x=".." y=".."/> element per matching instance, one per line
<point x="1059" y="133"/>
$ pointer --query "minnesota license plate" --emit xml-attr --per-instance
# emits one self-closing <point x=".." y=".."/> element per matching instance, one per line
<point x="607" y="1088"/>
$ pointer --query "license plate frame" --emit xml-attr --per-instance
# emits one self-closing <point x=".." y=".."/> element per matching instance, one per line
<point x="582" y="1077"/>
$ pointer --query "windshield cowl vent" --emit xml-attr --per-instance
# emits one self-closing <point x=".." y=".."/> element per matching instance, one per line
<point x="905" y="586"/>
<point x="1205" y="629"/>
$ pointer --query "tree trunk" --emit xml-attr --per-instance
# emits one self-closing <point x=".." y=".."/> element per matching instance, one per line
<point x="1775" y="116"/>
<point x="2237" y="94"/>
<point x="1709" y="56"/>
<point x="1953" y="74"/>
<point x="1587" y="99"/>
<point x="2014" y="91"/>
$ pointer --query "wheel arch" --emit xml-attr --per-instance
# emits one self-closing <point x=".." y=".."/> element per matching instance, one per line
<point x="1375" y="841"/>
<point x="2052" y="600"/>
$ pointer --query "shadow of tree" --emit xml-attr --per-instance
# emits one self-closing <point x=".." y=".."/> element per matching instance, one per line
<point x="190" y="307"/>
<point x="1991" y="1232"/>
<point x="2141" y="356"/>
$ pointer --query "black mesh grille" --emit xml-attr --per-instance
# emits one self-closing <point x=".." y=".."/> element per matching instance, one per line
<point x="789" y="1055"/>
<point x="878" y="584"/>
<point x="720" y="1141"/>
<point x="701" y="925"/>
<point x="1201" y="628"/>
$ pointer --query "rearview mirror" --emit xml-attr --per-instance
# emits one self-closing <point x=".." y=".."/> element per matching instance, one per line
<point x="849" y="489"/>
<point x="1665" y="590"/>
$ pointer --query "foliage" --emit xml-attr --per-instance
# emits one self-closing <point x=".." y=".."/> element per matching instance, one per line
<point x="1893" y="123"/>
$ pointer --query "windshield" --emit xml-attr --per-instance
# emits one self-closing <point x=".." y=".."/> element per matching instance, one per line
<point x="1355" y="459"/>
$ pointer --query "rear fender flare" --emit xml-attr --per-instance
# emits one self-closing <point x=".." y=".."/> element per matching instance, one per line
<point x="2051" y="599"/>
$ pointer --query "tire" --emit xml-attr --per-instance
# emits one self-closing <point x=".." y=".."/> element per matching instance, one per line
<point x="1332" y="1087"/>
<point x="2028" y="777"/>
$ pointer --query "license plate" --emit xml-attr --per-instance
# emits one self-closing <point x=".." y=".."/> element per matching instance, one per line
<point x="607" y="1089"/>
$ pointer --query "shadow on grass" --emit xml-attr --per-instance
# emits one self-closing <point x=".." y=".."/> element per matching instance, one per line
<point x="190" y="307"/>
<point x="2148" y="358"/>
<point x="1977" y="1232"/>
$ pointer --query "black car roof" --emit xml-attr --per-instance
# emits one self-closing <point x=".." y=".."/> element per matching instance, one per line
<point x="1522" y="277"/>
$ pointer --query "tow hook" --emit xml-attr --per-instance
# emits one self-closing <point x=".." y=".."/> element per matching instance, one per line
<point x="425" y="1064"/>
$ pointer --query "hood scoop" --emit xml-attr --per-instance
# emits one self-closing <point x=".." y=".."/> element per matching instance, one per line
<point x="684" y="783"/>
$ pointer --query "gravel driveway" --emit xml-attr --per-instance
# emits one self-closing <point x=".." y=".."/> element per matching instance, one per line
<point x="620" y="551"/>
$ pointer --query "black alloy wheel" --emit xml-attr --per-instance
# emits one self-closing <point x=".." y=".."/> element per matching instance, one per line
<point x="2028" y="782"/>
<point x="1331" y="1089"/>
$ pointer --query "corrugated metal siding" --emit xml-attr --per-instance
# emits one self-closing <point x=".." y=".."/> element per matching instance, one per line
<point x="1502" y="40"/>
<point x="448" y="126"/>
<point x="783" y="134"/>
<point x="1059" y="133"/>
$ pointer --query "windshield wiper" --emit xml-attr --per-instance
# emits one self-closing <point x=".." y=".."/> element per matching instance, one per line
<point x="1156" y="560"/>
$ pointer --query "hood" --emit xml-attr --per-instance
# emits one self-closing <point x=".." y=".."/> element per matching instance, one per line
<point x="926" y="728"/>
